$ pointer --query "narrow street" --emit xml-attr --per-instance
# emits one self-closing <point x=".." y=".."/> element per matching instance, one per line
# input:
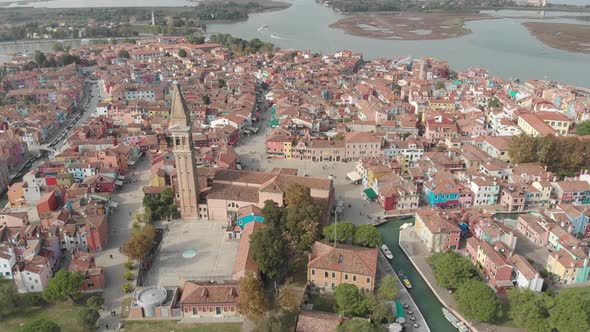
<point x="130" y="202"/>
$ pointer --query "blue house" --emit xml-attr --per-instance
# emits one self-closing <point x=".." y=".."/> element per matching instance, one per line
<point x="248" y="214"/>
<point x="578" y="217"/>
<point x="441" y="193"/>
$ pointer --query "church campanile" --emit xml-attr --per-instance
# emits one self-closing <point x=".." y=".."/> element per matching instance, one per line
<point x="184" y="156"/>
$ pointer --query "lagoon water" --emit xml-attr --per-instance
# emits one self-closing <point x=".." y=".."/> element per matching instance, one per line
<point x="502" y="46"/>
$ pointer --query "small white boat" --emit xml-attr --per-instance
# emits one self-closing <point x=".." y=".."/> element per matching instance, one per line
<point x="386" y="252"/>
<point x="406" y="225"/>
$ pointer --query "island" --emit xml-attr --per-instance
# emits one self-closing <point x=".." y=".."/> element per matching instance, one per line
<point x="564" y="36"/>
<point x="408" y="26"/>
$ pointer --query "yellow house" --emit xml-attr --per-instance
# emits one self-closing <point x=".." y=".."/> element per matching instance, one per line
<point x="65" y="179"/>
<point x="442" y="105"/>
<point x="567" y="267"/>
<point x="158" y="179"/>
<point x="481" y="256"/>
<point x="287" y="148"/>
<point x="376" y="172"/>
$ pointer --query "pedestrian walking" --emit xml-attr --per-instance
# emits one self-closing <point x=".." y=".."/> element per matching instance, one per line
<point x="111" y="256"/>
<point x="106" y="326"/>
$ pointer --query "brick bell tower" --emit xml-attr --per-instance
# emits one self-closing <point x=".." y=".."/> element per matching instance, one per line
<point x="186" y="171"/>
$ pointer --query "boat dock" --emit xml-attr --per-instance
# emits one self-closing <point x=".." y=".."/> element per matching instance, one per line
<point x="383" y="268"/>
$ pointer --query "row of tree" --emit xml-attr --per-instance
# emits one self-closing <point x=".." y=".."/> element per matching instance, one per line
<point x="347" y="232"/>
<point x="474" y="298"/>
<point x="240" y="46"/>
<point x="289" y="233"/>
<point x="563" y="155"/>
<point x="568" y="311"/>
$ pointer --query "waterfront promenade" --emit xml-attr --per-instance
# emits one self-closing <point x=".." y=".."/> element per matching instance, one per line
<point x="384" y="268"/>
<point x="417" y="253"/>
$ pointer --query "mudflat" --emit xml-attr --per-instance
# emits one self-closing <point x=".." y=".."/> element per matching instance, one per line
<point x="408" y="26"/>
<point x="564" y="36"/>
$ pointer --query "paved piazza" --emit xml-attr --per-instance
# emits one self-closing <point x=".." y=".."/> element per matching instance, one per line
<point x="214" y="259"/>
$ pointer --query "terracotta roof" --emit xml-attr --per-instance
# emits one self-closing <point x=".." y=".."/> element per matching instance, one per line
<point x="344" y="258"/>
<point x="234" y="193"/>
<point x="361" y="137"/>
<point x="244" y="260"/>
<point x="521" y="264"/>
<point x="315" y="321"/>
<point x="203" y="293"/>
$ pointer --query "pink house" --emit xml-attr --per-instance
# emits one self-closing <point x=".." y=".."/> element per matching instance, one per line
<point x="536" y="229"/>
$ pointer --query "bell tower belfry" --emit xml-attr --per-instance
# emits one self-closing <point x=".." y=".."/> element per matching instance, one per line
<point x="186" y="171"/>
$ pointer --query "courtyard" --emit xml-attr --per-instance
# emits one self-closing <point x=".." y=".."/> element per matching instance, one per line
<point x="193" y="250"/>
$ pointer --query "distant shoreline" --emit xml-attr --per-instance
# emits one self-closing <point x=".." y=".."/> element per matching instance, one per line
<point x="563" y="36"/>
<point x="408" y="25"/>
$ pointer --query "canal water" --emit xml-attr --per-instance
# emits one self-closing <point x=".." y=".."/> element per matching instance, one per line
<point x="420" y="292"/>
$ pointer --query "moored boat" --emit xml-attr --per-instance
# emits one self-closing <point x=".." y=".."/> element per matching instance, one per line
<point x="386" y="252"/>
<point x="405" y="280"/>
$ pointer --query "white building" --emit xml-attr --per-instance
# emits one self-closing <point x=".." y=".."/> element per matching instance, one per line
<point x="32" y="276"/>
<point x="524" y="274"/>
<point x="485" y="191"/>
<point x="7" y="261"/>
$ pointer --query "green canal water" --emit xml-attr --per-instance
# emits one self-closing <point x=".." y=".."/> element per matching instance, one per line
<point x="420" y="292"/>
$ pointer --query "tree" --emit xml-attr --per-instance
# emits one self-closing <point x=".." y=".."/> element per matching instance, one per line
<point x="378" y="309"/>
<point x="583" y="128"/>
<point x="206" y="99"/>
<point x="269" y="252"/>
<point x="439" y="85"/>
<point x="251" y="301"/>
<point x="302" y="223"/>
<point x="63" y="286"/>
<point x="388" y="288"/>
<point x="95" y="301"/>
<point x="528" y="309"/>
<point x="8" y="298"/>
<point x="478" y="301"/>
<point x="161" y="206"/>
<point x="494" y="102"/>
<point x="354" y="325"/>
<point x="140" y="243"/>
<point x="571" y="312"/>
<point x="182" y="53"/>
<point x="88" y="318"/>
<point x="367" y="236"/>
<point x="451" y="270"/>
<point x="523" y="149"/>
<point x="349" y="300"/>
<point x="273" y="215"/>
<point x="221" y="83"/>
<point x="39" y="325"/>
<point x="344" y="231"/>
<point x="39" y="58"/>
<point x="298" y="194"/>
<point x="124" y="54"/>
<point x="302" y="219"/>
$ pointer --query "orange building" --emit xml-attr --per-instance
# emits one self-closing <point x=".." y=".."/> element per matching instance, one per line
<point x="329" y="267"/>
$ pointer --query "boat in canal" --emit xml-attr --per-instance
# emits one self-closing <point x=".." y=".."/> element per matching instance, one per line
<point x="459" y="325"/>
<point x="405" y="280"/>
<point x="386" y="251"/>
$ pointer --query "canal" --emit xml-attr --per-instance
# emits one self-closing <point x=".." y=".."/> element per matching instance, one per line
<point x="420" y="292"/>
